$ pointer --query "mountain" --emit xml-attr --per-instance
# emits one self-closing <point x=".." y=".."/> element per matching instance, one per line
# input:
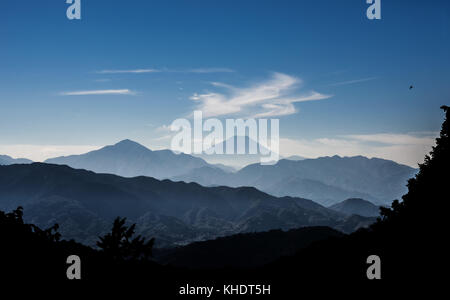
<point x="84" y="203"/>
<point x="295" y="157"/>
<point x="129" y="159"/>
<point x="234" y="159"/>
<point x="355" y="206"/>
<point x="227" y="169"/>
<point x="8" y="160"/>
<point x="207" y="176"/>
<point x="326" y="180"/>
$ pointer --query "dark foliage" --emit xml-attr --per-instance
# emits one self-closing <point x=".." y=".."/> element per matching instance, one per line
<point x="430" y="183"/>
<point x="14" y="222"/>
<point x="244" y="250"/>
<point x="120" y="245"/>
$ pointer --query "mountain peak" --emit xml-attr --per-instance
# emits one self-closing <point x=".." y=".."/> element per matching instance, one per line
<point x="129" y="158"/>
<point x="129" y="144"/>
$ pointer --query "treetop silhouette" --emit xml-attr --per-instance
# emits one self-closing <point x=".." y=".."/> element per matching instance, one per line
<point x="120" y="245"/>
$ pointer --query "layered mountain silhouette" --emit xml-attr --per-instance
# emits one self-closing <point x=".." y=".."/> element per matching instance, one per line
<point x="355" y="206"/>
<point x="8" y="160"/>
<point x="129" y="159"/>
<point x="83" y="203"/>
<point x="326" y="180"/>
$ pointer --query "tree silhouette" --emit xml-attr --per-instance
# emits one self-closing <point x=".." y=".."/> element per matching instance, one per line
<point x="428" y="189"/>
<point x="120" y="245"/>
<point x="13" y="222"/>
<point x="412" y="232"/>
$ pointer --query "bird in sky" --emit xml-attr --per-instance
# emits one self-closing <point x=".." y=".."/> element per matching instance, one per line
<point x="411" y="87"/>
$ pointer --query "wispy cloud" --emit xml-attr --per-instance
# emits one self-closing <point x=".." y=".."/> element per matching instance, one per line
<point x="98" y="92"/>
<point x="166" y="137"/>
<point x="143" y="71"/>
<point x="210" y="70"/>
<point x="135" y="71"/>
<point x="395" y="139"/>
<point x="353" y="81"/>
<point x="270" y="98"/>
<point x="163" y="128"/>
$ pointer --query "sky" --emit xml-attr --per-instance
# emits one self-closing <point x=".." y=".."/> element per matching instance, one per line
<point x="338" y="82"/>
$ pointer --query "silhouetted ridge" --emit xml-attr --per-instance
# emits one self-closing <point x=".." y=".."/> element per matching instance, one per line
<point x="129" y="145"/>
<point x="244" y="250"/>
<point x="357" y="206"/>
<point x="326" y="180"/>
<point x="8" y="160"/>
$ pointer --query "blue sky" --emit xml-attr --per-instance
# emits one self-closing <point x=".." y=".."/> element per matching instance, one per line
<point x="127" y="69"/>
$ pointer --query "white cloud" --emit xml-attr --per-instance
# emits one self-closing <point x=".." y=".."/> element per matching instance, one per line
<point x="267" y="99"/>
<point x="166" y="137"/>
<point x="163" y="128"/>
<point x="42" y="152"/>
<point x="142" y="71"/>
<point x="395" y="139"/>
<point x="408" y="149"/>
<point x="98" y="92"/>
<point x="211" y="70"/>
<point x="135" y="71"/>
<point x="353" y="81"/>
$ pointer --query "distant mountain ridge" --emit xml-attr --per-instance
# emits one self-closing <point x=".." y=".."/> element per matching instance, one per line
<point x="8" y="160"/>
<point x="84" y="203"/>
<point x="357" y="206"/>
<point x="326" y="180"/>
<point x="235" y="159"/>
<point x="130" y="159"/>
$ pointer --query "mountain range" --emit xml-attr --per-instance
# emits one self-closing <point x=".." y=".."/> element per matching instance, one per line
<point x="356" y="206"/>
<point x="129" y="159"/>
<point x="8" y="160"/>
<point x="84" y="204"/>
<point x="326" y="180"/>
